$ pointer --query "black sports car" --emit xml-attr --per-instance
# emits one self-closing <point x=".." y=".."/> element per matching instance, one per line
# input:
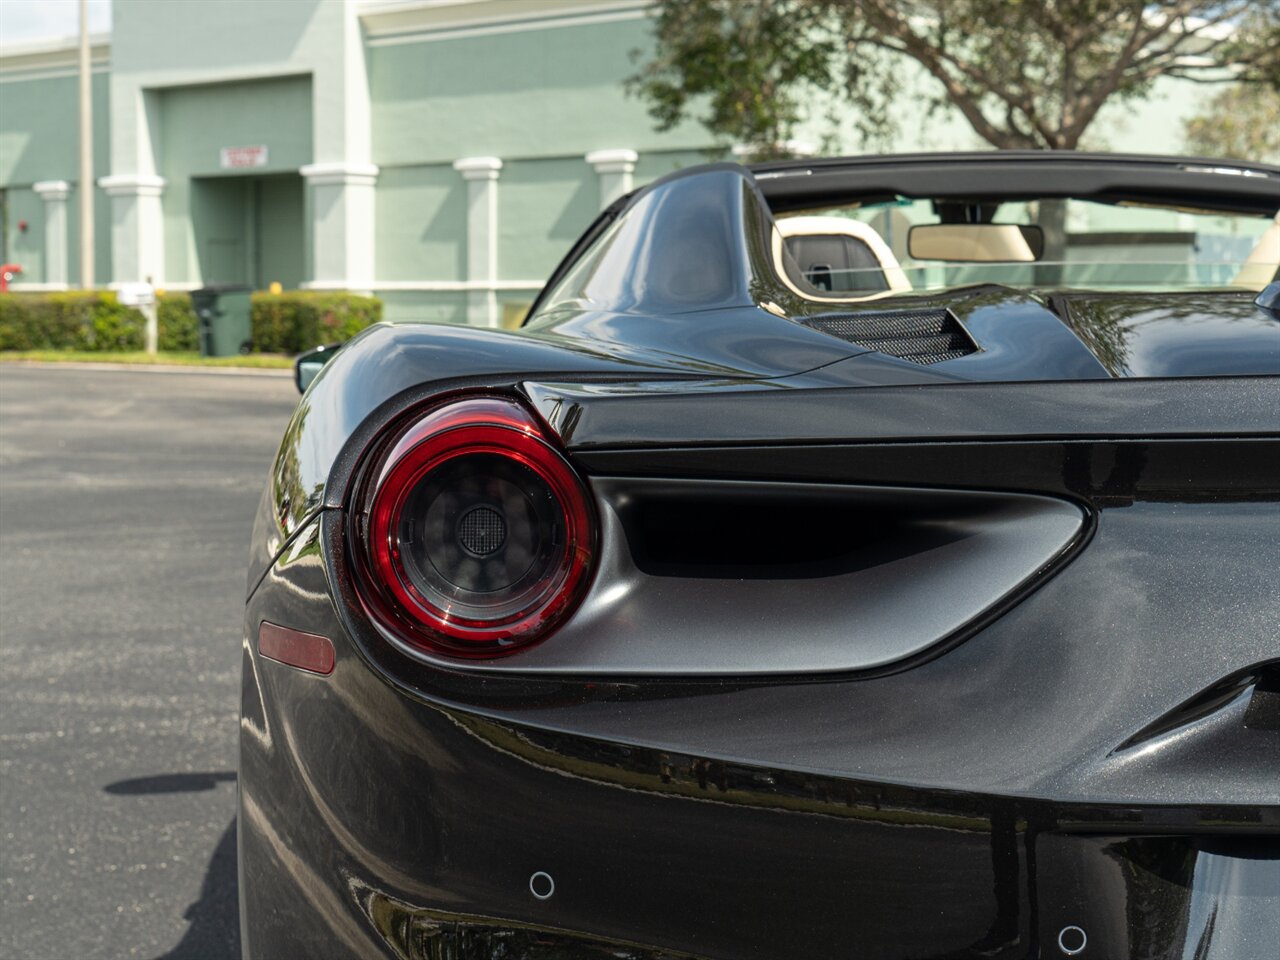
<point x="854" y="558"/>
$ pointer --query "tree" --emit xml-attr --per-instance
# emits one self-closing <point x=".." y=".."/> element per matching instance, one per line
<point x="1241" y="121"/>
<point x="1023" y="73"/>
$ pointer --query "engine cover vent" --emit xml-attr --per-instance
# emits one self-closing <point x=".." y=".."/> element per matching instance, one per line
<point x="921" y="336"/>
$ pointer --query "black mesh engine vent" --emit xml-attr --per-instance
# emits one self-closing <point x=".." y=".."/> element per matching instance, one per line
<point x="921" y="336"/>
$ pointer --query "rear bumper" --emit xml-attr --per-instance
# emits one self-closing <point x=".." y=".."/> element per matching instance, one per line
<point x="417" y="831"/>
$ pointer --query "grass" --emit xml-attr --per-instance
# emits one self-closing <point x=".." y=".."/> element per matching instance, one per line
<point x="270" y="361"/>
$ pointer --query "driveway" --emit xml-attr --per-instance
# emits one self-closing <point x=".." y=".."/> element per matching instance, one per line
<point x="126" y="502"/>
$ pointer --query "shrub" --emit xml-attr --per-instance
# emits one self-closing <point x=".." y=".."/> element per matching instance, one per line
<point x="75" y="320"/>
<point x="179" y="330"/>
<point x="95" y="320"/>
<point x="299" y="320"/>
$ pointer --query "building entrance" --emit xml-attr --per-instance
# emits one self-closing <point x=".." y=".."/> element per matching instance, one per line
<point x="250" y="230"/>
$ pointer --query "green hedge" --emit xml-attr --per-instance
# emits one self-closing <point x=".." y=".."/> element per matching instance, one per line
<point x="95" y="320"/>
<point x="179" y="330"/>
<point x="75" y="320"/>
<point x="297" y="321"/>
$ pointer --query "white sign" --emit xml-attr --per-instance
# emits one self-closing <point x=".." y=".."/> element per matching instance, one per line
<point x="236" y="158"/>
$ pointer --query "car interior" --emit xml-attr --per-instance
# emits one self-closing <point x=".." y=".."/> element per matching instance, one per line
<point x="836" y="258"/>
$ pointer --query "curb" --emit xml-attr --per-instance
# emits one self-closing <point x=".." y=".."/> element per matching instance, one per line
<point x="149" y="368"/>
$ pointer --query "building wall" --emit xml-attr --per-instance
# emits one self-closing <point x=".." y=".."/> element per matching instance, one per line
<point x="39" y="141"/>
<point x="539" y="95"/>
<point x="535" y="91"/>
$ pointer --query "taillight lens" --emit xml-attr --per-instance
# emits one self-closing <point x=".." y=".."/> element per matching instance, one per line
<point x="474" y="536"/>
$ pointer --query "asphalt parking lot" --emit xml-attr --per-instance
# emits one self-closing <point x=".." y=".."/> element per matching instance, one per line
<point x="126" y="503"/>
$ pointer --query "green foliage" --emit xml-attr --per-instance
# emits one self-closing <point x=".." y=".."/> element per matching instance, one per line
<point x="1023" y="73"/>
<point x="297" y="321"/>
<point x="75" y="320"/>
<point x="750" y="61"/>
<point x="179" y="329"/>
<point x="116" y="328"/>
<point x="1242" y="121"/>
<point x="95" y="321"/>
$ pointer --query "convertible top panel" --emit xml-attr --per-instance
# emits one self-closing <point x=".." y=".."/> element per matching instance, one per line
<point x="1022" y="175"/>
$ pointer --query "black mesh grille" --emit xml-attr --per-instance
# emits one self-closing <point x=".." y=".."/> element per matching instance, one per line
<point x="482" y="531"/>
<point x="921" y="336"/>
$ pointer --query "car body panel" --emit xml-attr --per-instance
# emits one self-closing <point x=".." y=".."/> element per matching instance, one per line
<point x="1074" y="725"/>
<point x="656" y="777"/>
<point x="1152" y="335"/>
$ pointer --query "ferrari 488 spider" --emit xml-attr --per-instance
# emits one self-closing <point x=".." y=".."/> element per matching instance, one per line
<point x="860" y="558"/>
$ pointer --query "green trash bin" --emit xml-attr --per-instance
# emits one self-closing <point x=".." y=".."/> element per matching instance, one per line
<point x="222" y="311"/>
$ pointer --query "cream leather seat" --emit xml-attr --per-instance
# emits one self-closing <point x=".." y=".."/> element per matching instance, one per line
<point x="1264" y="260"/>
<point x="837" y="259"/>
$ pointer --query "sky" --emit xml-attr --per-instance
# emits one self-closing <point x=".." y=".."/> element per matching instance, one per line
<point x="25" y="21"/>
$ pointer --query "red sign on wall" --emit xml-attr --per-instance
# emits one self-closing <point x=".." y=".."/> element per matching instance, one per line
<point x="237" y="158"/>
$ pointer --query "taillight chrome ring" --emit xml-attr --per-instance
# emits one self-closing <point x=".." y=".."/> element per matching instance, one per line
<point x="475" y="535"/>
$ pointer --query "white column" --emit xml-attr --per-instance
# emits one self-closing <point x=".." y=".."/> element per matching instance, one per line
<point x="342" y="225"/>
<point x="481" y="174"/>
<point x="54" y="194"/>
<point x="614" y="168"/>
<point x="137" y="227"/>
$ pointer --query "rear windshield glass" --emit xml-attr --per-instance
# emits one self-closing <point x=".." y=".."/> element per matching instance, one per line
<point x="1070" y="243"/>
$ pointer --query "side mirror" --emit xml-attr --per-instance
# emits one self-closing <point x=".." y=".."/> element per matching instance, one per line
<point x="308" y="365"/>
<point x="976" y="242"/>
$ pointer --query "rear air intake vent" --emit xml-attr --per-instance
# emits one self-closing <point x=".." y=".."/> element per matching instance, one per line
<point x="921" y="336"/>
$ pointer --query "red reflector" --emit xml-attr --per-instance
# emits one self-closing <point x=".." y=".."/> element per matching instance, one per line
<point x="306" y="651"/>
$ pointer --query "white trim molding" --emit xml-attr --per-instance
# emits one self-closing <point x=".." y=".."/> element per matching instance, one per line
<point x="478" y="168"/>
<point x="341" y="285"/>
<point x="619" y="160"/>
<point x="481" y="174"/>
<point x="54" y="193"/>
<point x="614" y="169"/>
<point x="455" y="286"/>
<point x="35" y="286"/>
<point x="52" y="189"/>
<point x="342" y="224"/>
<point x="137" y="227"/>
<point x="48" y="58"/>
<point x="391" y="22"/>
<point x="132" y="185"/>
<point x="340" y="174"/>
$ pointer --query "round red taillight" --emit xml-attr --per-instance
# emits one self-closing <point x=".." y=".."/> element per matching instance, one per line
<point x="474" y="536"/>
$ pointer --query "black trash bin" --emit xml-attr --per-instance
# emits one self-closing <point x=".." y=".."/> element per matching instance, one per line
<point x="222" y="311"/>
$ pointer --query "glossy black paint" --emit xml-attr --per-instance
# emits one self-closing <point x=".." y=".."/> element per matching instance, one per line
<point x="1086" y="751"/>
<point x="593" y="416"/>
<point x="1032" y="706"/>
<point x="1150" y="335"/>
<point x="448" y="795"/>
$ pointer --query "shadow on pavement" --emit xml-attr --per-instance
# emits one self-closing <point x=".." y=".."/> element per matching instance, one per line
<point x="214" y="933"/>
<point x="170" y="783"/>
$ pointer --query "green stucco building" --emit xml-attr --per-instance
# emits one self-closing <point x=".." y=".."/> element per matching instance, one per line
<point x="440" y="153"/>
